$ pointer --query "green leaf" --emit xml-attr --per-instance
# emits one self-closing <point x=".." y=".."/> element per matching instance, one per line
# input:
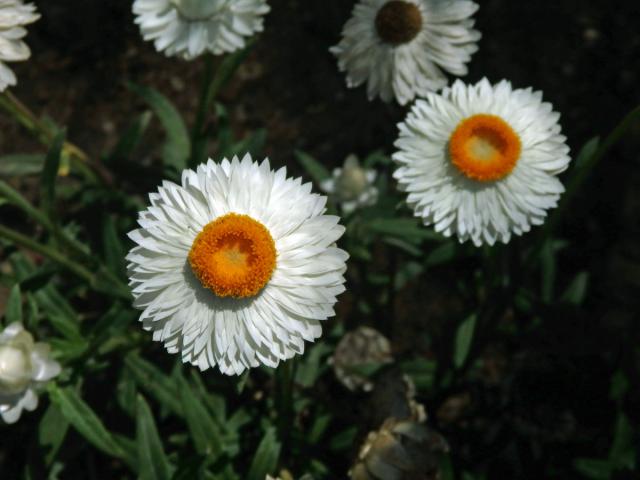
<point x="152" y="461"/>
<point x="265" y="460"/>
<point x="52" y="431"/>
<point x="20" y="164"/>
<point x="407" y="229"/>
<point x="594" y="468"/>
<point x="114" y="252"/>
<point x="407" y="272"/>
<point x="315" y="169"/>
<point x="87" y="423"/>
<point x="622" y="454"/>
<point x="242" y="382"/>
<point x="319" y="428"/>
<point x="586" y="152"/>
<point x="463" y="340"/>
<point x="131" y="138"/>
<point x="155" y="382"/>
<point x="50" y="173"/>
<point x="576" y="292"/>
<point x="440" y="255"/>
<point x="311" y="365"/>
<point x="343" y="441"/>
<point x="205" y="433"/>
<point x="619" y="386"/>
<point x="177" y="147"/>
<point x="421" y="371"/>
<point x="13" y="312"/>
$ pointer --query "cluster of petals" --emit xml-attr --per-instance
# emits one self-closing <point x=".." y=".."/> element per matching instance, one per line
<point x="189" y="28"/>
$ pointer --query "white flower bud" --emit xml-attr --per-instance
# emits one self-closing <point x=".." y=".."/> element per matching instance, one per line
<point x="352" y="186"/>
<point x="24" y="366"/>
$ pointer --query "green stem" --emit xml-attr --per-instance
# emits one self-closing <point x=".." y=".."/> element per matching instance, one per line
<point x="207" y="94"/>
<point x="285" y="376"/>
<point x="48" y="252"/>
<point x="211" y="85"/>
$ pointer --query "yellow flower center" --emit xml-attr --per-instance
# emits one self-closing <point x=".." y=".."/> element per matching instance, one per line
<point x="398" y="22"/>
<point x="233" y="256"/>
<point x="484" y="148"/>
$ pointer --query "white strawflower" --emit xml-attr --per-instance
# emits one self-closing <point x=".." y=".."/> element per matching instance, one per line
<point x="481" y="161"/>
<point x="237" y="266"/>
<point x="14" y="14"/>
<point x="352" y="186"/>
<point x="188" y="28"/>
<point x="401" y="47"/>
<point x="24" y="366"/>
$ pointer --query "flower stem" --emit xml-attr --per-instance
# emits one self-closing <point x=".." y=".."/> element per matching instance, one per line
<point x="211" y="85"/>
<point x="50" y="253"/>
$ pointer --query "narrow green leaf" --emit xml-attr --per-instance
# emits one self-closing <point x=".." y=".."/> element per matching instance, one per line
<point x="445" y="253"/>
<point x="205" y="433"/>
<point x="13" y="312"/>
<point x="319" y="428"/>
<point x="402" y="245"/>
<point x="15" y="198"/>
<point x="343" y="441"/>
<point x="178" y="145"/>
<point x="50" y="172"/>
<point x="463" y="340"/>
<point x="623" y="453"/>
<point x="20" y="164"/>
<point x="311" y="365"/>
<point x="131" y="138"/>
<point x="576" y="292"/>
<point x="152" y="461"/>
<point x="87" y="423"/>
<point x="586" y="152"/>
<point x="52" y="301"/>
<point x="114" y="251"/>
<point x="594" y="469"/>
<point x="407" y="229"/>
<point x="155" y="382"/>
<point x="315" y="169"/>
<point x="52" y="431"/>
<point x="265" y="460"/>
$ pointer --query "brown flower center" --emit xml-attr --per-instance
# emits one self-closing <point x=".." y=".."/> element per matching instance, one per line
<point x="398" y="22"/>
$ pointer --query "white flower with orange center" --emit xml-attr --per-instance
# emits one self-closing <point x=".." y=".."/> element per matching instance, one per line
<point x="14" y="15"/>
<point x="189" y="28"/>
<point x="401" y="48"/>
<point x="237" y="266"/>
<point x="481" y="161"/>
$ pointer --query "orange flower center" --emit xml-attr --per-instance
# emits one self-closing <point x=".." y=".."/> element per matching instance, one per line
<point x="233" y="256"/>
<point x="398" y="22"/>
<point x="484" y="148"/>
